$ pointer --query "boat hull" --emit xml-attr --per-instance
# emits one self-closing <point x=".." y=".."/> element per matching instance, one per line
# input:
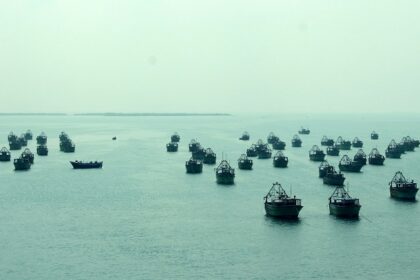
<point x="82" y="165"/>
<point x="282" y="211"/>
<point x="319" y="157"/>
<point x="333" y="181"/>
<point x="245" y="165"/>
<point x="296" y="144"/>
<point x="348" y="211"/>
<point x="376" y="161"/>
<point x="280" y="163"/>
<point x="403" y="193"/>
<point x="225" y="180"/>
<point x="350" y="168"/>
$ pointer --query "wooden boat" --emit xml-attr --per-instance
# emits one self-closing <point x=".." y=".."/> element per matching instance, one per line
<point x="12" y="137"/>
<point x="342" y="205"/>
<point x="23" y="141"/>
<point x="280" y="160"/>
<point x="63" y="136"/>
<point x="28" y="135"/>
<point x="21" y="164"/>
<point x="209" y="156"/>
<point x="86" y="165"/>
<point x="245" y="163"/>
<point x="343" y="144"/>
<point x="278" y="145"/>
<point x="401" y="188"/>
<point x="323" y="168"/>
<point x="252" y="151"/>
<point x="172" y="147"/>
<point x="393" y="151"/>
<point x="199" y="153"/>
<point x="374" y="135"/>
<point x="304" y="131"/>
<point x="332" y="177"/>
<point x="333" y="151"/>
<point x="408" y="143"/>
<point x="325" y="141"/>
<point x="348" y="165"/>
<point x="245" y="136"/>
<point x="260" y="145"/>
<point x="42" y="150"/>
<point x="357" y="143"/>
<point x="316" y="154"/>
<point x="194" y="166"/>
<point x="264" y="153"/>
<point x="15" y="145"/>
<point x="360" y="156"/>
<point x="27" y="154"/>
<point x="296" y="141"/>
<point x="4" y="154"/>
<point x="278" y="204"/>
<point x="375" y="158"/>
<point x="272" y="138"/>
<point x="175" y="137"/>
<point x="194" y="145"/>
<point x="67" y="146"/>
<point x="41" y="139"/>
<point x="225" y="174"/>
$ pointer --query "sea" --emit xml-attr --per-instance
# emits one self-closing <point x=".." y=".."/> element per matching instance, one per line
<point x="143" y="217"/>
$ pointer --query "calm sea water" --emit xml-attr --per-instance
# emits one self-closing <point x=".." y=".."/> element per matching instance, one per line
<point x="143" y="217"/>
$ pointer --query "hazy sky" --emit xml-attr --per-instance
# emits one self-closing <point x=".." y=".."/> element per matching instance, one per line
<point x="211" y="56"/>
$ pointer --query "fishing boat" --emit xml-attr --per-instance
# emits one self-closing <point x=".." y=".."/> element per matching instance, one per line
<point x="332" y="177"/>
<point x="279" y="145"/>
<point x="271" y="138"/>
<point x="28" y="135"/>
<point x="325" y="141"/>
<point x="316" y="154"/>
<point x="357" y="143"/>
<point x="225" y="174"/>
<point x="175" y="137"/>
<point x="4" y="154"/>
<point x="360" y="156"/>
<point x="23" y="141"/>
<point x="408" y="143"/>
<point x="86" y="165"/>
<point x="304" y="131"/>
<point x="323" y="168"/>
<point x="199" y="153"/>
<point x="252" y="151"/>
<point x="245" y="163"/>
<point x="343" y="144"/>
<point x="27" y="154"/>
<point x="42" y="150"/>
<point x="41" y="139"/>
<point x="416" y="143"/>
<point x="342" y="205"/>
<point x="12" y="137"/>
<point x="348" y="165"/>
<point x="260" y="145"/>
<point x="209" y="156"/>
<point x="67" y="146"/>
<point x="114" y="138"/>
<point x="264" y="153"/>
<point x="401" y="188"/>
<point x="194" y="166"/>
<point x="172" y="147"/>
<point x="296" y="141"/>
<point x="280" y="160"/>
<point x="15" y="145"/>
<point x="245" y="136"/>
<point x="63" y="136"/>
<point x="278" y="204"/>
<point x="393" y="151"/>
<point x="374" y="135"/>
<point x="194" y="145"/>
<point x="375" y="158"/>
<point x="21" y="164"/>
<point x="333" y="151"/>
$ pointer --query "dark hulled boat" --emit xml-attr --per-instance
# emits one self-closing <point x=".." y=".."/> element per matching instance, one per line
<point x="271" y="138"/>
<point x="245" y="136"/>
<point x="374" y="135"/>
<point x="260" y="145"/>
<point x="323" y="167"/>
<point x="333" y="151"/>
<point x="199" y="153"/>
<point x="42" y="150"/>
<point x="41" y="139"/>
<point x="245" y="163"/>
<point x="12" y="137"/>
<point x="194" y="145"/>
<point x="209" y="157"/>
<point x="401" y="188"/>
<point x="15" y="145"/>
<point x="304" y="131"/>
<point x="393" y="151"/>
<point x="278" y="204"/>
<point x="360" y="156"/>
<point x="114" y="138"/>
<point x="343" y="144"/>
<point x="194" y="166"/>
<point x="264" y="153"/>
<point x="357" y="143"/>
<point x="348" y="165"/>
<point x="28" y="135"/>
<point x="408" y="143"/>
<point x="63" y="136"/>
<point x="27" y="154"/>
<point x="325" y="141"/>
<point x="175" y="137"/>
<point x="296" y="141"/>
<point x="332" y="177"/>
<point x="280" y="160"/>
<point x="375" y="158"/>
<point x="67" y="146"/>
<point x="86" y="165"/>
<point x="342" y="205"/>
<point x="316" y="154"/>
<point x="4" y="154"/>
<point x="225" y="174"/>
<point x="22" y="164"/>
<point x="172" y="147"/>
<point x="252" y="151"/>
<point x="279" y="145"/>
<point x="23" y="141"/>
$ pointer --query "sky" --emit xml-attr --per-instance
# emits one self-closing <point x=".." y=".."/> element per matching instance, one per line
<point x="233" y="56"/>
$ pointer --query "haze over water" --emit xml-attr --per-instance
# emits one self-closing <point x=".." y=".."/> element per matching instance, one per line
<point x="143" y="217"/>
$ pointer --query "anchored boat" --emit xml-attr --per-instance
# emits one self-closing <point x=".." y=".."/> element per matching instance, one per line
<point x="22" y="140"/>
<point x="393" y="151"/>
<point x="194" y="166"/>
<point x="172" y="147"/>
<point x="245" y="136"/>
<point x="27" y="154"/>
<point x="296" y="141"/>
<point x="341" y="204"/>
<point x="280" y="160"/>
<point x="316" y="154"/>
<point x="325" y="141"/>
<point x="252" y="151"/>
<point x="225" y="174"/>
<point x="22" y="164"/>
<point x="199" y="153"/>
<point x="86" y="165"/>
<point x="408" y="143"/>
<point x="271" y="138"/>
<point x="304" y="131"/>
<point x="343" y="144"/>
<point x="348" y="165"/>
<point x="194" y="145"/>
<point x="278" y="204"/>
<point x="209" y="156"/>
<point x="323" y="168"/>
<point x="67" y="146"/>
<point x="28" y="135"/>
<point x="245" y="163"/>
<point x="375" y="158"/>
<point x="333" y="151"/>
<point x="360" y="156"/>
<point x="357" y="143"/>
<point x="332" y="177"/>
<point x="278" y="145"/>
<point x="264" y="152"/>
<point x="401" y="188"/>
<point x="175" y="137"/>
<point x="4" y="154"/>
<point x="42" y="150"/>
<point x="374" y="135"/>
<point x="41" y="139"/>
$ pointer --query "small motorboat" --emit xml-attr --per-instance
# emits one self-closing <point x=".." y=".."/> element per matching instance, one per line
<point x="86" y="165"/>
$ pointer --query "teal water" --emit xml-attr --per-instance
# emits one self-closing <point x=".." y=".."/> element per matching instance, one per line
<point x="142" y="217"/>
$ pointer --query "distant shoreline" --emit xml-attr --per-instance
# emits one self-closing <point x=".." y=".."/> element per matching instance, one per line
<point x="119" y="114"/>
